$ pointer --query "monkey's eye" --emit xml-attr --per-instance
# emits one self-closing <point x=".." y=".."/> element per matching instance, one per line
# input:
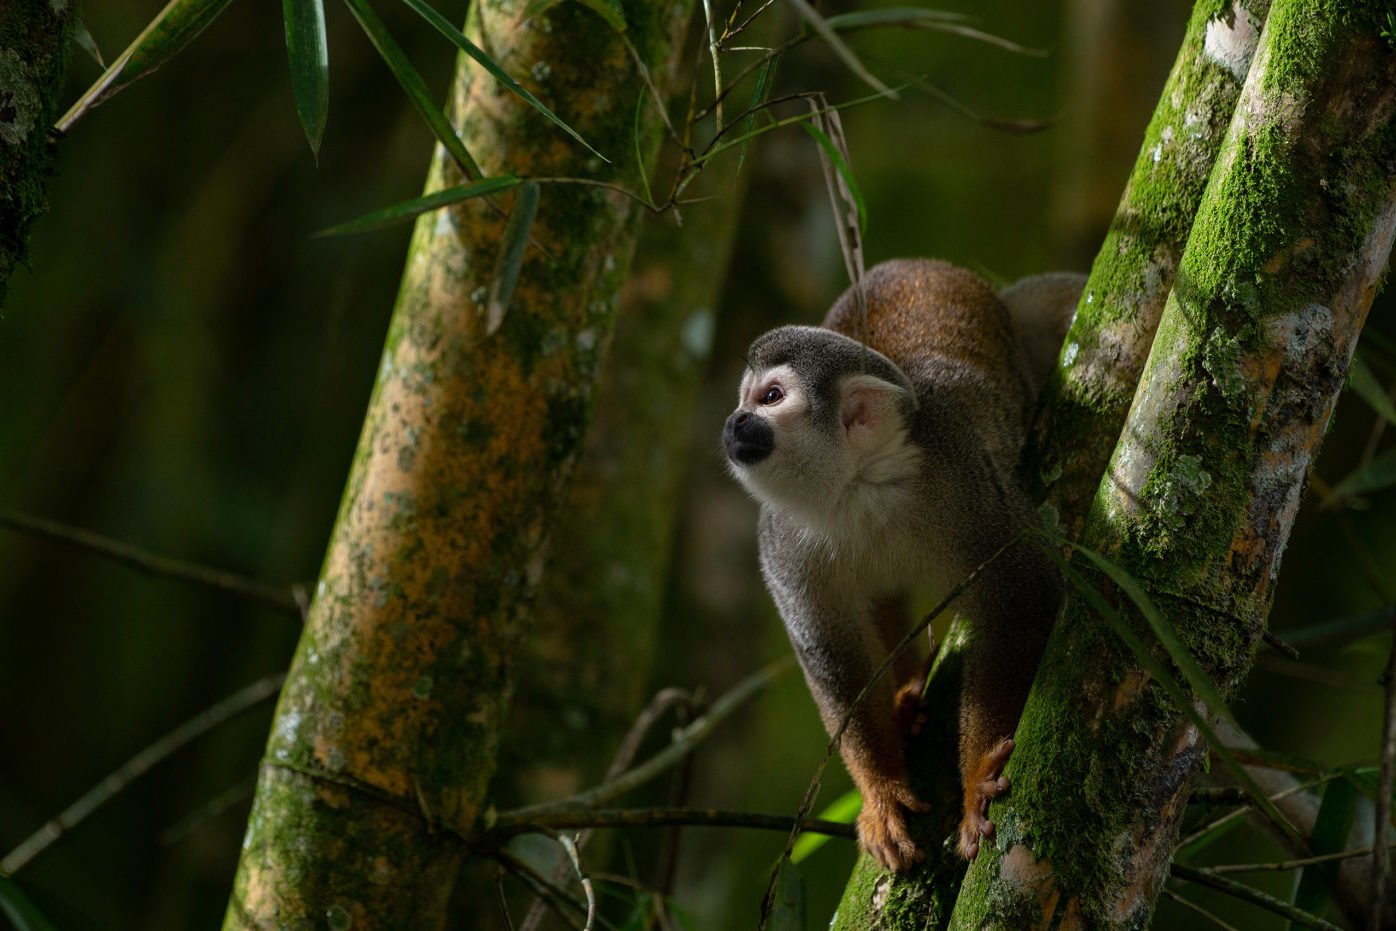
<point x="772" y="395"/>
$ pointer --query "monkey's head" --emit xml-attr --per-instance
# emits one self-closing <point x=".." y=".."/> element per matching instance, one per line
<point x="816" y="414"/>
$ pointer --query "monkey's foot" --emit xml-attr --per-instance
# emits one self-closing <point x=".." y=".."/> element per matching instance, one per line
<point x="882" y="825"/>
<point x="986" y="783"/>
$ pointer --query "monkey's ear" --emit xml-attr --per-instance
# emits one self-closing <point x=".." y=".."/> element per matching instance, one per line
<point x="868" y="405"/>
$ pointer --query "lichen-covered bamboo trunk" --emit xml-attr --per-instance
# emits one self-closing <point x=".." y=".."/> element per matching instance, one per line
<point x="1085" y="406"/>
<point x="1292" y="234"/>
<point x="385" y="737"/>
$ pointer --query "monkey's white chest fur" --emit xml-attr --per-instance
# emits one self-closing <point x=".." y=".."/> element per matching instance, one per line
<point x="873" y="529"/>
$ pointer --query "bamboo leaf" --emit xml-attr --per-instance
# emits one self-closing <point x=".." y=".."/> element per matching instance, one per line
<point x="408" y="209"/>
<point x="1380" y="474"/>
<point x="413" y="84"/>
<point x="853" y="195"/>
<point x="765" y="80"/>
<point x="1363" y="380"/>
<point x="1330" y="834"/>
<point x="893" y="16"/>
<point x="1198" y="680"/>
<point x="83" y="36"/>
<point x="170" y="31"/>
<point x="935" y="20"/>
<point x="844" y="808"/>
<point x="515" y="243"/>
<point x="1145" y="657"/>
<point x="640" y="155"/>
<point x="1204" y="839"/>
<point x="609" y="10"/>
<point x="16" y="905"/>
<point x="458" y="38"/>
<point x="309" y="55"/>
<point x="831" y="38"/>
<point x="788" y="910"/>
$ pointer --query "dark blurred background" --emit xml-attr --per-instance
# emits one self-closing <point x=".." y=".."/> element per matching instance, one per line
<point x="185" y="367"/>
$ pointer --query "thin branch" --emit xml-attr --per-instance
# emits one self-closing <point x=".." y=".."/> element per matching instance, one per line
<point x="279" y="597"/>
<point x="712" y="50"/>
<point x="1285" y="865"/>
<point x="663" y="700"/>
<point x="104" y="791"/>
<point x="503" y="899"/>
<point x="1279" y="644"/>
<point x="684" y="742"/>
<point x="208" y="811"/>
<point x="662" y="817"/>
<point x="1253" y="896"/>
<point x="731" y="32"/>
<point x="1218" y="795"/>
<point x="549" y="893"/>
<point x="1175" y="897"/>
<point x="1248" y="807"/>
<point x="570" y="846"/>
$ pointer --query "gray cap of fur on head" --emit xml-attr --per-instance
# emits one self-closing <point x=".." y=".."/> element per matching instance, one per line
<point x="822" y="358"/>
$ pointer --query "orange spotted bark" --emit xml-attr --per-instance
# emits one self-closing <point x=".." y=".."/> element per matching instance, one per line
<point x="384" y="740"/>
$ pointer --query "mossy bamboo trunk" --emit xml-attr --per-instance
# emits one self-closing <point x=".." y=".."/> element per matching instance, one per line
<point x="35" y="40"/>
<point x="1088" y="399"/>
<point x="1284" y="257"/>
<point x="385" y="737"/>
<point x="586" y="664"/>
<point x="1085" y="403"/>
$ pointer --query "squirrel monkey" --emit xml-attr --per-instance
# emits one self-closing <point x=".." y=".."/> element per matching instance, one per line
<point x="884" y="454"/>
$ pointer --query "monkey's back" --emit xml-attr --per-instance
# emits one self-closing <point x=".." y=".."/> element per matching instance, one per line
<point x="945" y="327"/>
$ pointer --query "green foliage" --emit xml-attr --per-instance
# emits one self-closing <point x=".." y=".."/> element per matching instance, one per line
<point x="167" y="34"/>
<point x="1330" y="835"/>
<point x="422" y="98"/>
<point x="16" y="905"/>
<point x="844" y="808"/>
<point x="309" y="54"/>
<point x="458" y="38"/>
<point x="411" y="209"/>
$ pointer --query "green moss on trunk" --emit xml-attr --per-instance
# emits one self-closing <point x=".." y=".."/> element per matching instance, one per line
<point x="1202" y="490"/>
<point x="1089" y="397"/>
<point x="1085" y="404"/>
<point x="390" y="718"/>
<point x="35" y="40"/>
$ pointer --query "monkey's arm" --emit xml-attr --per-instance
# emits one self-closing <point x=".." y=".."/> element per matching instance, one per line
<point x="840" y="648"/>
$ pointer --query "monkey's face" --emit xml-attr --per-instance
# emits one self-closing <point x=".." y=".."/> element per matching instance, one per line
<point x="798" y="442"/>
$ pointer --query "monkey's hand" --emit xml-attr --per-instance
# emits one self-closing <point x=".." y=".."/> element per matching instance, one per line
<point x="986" y="783"/>
<point x="909" y="706"/>
<point x="882" y="824"/>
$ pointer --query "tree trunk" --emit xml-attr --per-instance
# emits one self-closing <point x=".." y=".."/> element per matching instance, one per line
<point x="1086" y="403"/>
<point x="35" y="39"/>
<point x="388" y="725"/>
<point x="586" y="666"/>
<point x="1292" y="234"/>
